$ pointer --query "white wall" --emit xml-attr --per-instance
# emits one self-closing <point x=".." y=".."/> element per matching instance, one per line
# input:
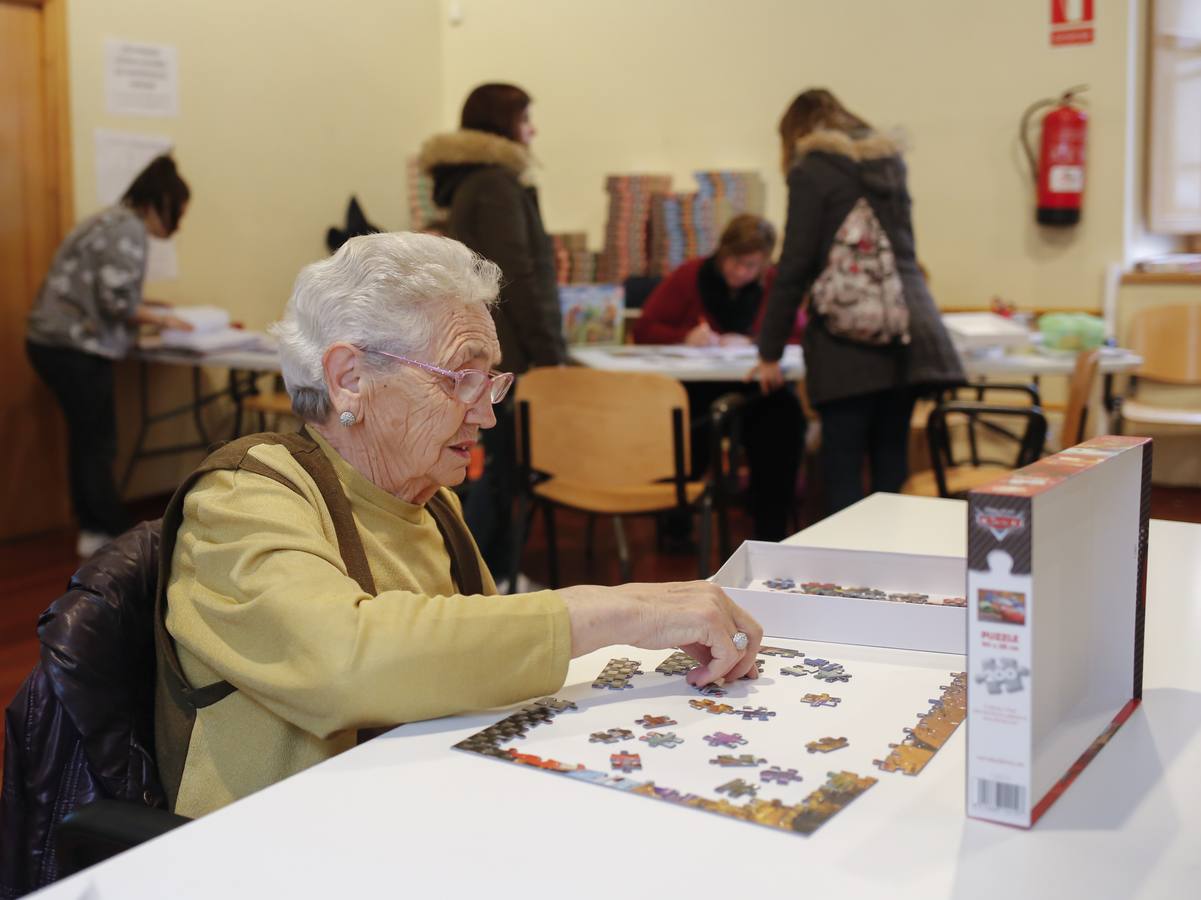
<point x="286" y="108"/>
<point x="680" y="85"/>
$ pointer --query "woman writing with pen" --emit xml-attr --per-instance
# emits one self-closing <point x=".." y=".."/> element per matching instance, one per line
<point x="718" y="300"/>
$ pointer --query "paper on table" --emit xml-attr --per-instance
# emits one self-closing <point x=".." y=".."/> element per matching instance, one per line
<point x="213" y="341"/>
<point x="984" y="329"/>
<point x="203" y="318"/>
<point x="120" y="156"/>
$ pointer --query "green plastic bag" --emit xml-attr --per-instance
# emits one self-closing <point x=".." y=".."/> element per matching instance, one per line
<point x="1072" y="331"/>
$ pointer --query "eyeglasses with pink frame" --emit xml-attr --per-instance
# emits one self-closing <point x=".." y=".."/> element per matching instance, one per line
<point x="469" y="384"/>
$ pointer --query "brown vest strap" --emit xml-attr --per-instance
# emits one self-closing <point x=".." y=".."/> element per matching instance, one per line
<point x="318" y="467"/>
<point x="464" y="560"/>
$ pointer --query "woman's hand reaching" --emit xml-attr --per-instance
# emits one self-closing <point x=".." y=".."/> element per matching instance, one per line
<point x="696" y="616"/>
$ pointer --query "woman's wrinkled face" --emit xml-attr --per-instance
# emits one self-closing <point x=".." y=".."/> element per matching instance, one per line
<point x="418" y="434"/>
<point x="739" y="271"/>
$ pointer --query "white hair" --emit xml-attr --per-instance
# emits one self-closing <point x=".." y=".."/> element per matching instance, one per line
<point x="382" y="291"/>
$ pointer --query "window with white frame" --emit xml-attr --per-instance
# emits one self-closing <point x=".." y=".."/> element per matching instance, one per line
<point x="1174" y="184"/>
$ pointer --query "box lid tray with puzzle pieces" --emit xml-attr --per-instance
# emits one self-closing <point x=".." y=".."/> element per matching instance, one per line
<point x="899" y="600"/>
<point x="1057" y="573"/>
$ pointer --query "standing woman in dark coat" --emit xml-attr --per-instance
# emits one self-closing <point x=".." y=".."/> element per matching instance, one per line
<point x="864" y="393"/>
<point x="482" y="175"/>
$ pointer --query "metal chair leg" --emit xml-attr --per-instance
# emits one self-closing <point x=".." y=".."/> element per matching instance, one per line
<point x="719" y="510"/>
<point x="590" y="539"/>
<point x="552" y="544"/>
<point x="524" y="520"/>
<point x="623" y="550"/>
<point x="705" y="551"/>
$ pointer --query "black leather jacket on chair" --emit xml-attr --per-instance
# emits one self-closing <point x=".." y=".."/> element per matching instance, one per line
<point x="81" y="727"/>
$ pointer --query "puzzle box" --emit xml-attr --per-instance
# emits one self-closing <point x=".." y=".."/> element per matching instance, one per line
<point x="1057" y="563"/>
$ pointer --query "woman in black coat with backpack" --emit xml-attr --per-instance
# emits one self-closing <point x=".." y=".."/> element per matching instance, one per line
<point x="875" y="339"/>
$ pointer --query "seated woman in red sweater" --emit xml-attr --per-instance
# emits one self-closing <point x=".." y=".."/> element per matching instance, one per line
<point x="714" y="299"/>
<point x="719" y="300"/>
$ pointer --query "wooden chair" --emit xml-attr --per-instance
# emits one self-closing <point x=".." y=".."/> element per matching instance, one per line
<point x="1168" y="338"/>
<point x="274" y="403"/>
<point x="1080" y="392"/>
<point x="605" y="443"/>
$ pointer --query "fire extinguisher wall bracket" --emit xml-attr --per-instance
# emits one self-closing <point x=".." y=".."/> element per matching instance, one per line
<point x="1058" y="170"/>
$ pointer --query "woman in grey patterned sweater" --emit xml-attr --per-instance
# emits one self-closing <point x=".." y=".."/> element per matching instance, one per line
<point x="85" y="316"/>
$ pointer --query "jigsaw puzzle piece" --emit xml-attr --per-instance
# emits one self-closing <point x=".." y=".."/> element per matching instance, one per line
<point x="649" y="721"/>
<point x="738" y="788"/>
<point x="611" y="736"/>
<point x="679" y="663"/>
<point x="816" y="700"/>
<point x="800" y="671"/>
<point x="616" y="674"/>
<point x="662" y="739"/>
<point x="785" y="652"/>
<point x="827" y="744"/>
<point x="722" y="739"/>
<point x="779" y="776"/>
<point x="625" y="762"/>
<point x="761" y="713"/>
<point x="726" y="760"/>
<point x="555" y="703"/>
<point x="711" y="707"/>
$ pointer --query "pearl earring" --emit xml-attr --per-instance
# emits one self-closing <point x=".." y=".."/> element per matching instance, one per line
<point x="348" y="418"/>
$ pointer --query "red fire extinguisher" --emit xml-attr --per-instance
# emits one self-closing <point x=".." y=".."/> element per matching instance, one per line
<point x="1059" y="169"/>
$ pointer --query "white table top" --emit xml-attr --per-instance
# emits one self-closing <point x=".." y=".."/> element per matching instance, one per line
<point x="689" y="363"/>
<point x="1114" y="360"/>
<point x="406" y="814"/>
<point x="732" y="364"/>
<point x="684" y="363"/>
<point x="893" y="523"/>
<point x="244" y="360"/>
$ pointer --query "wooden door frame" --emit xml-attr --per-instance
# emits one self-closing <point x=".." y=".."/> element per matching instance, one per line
<point x="50" y="199"/>
<point x="58" y="106"/>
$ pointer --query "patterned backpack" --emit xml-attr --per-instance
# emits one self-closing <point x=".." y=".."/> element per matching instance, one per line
<point x="858" y="294"/>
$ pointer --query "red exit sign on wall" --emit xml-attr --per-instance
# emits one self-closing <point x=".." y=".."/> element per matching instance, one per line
<point x="1071" y="22"/>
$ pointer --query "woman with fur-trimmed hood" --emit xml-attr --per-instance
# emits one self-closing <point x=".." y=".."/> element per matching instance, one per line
<point x="482" y="176"/>
<point x="863" y="391"/>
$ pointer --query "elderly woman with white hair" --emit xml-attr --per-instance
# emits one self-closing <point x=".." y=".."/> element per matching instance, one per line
<point x="320" y="585"/>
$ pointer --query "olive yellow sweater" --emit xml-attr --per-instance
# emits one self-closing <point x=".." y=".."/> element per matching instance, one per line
<point x="259" y="597"/>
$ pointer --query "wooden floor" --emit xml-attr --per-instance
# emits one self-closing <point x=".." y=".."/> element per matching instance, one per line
<point x="34" y="571"/>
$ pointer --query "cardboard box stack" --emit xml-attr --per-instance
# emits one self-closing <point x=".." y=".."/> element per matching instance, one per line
<point x="627" y="230"/>
<point x="731" y="193"/>
<point x="574" y="262"/>
<point x="681" y="228"/>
